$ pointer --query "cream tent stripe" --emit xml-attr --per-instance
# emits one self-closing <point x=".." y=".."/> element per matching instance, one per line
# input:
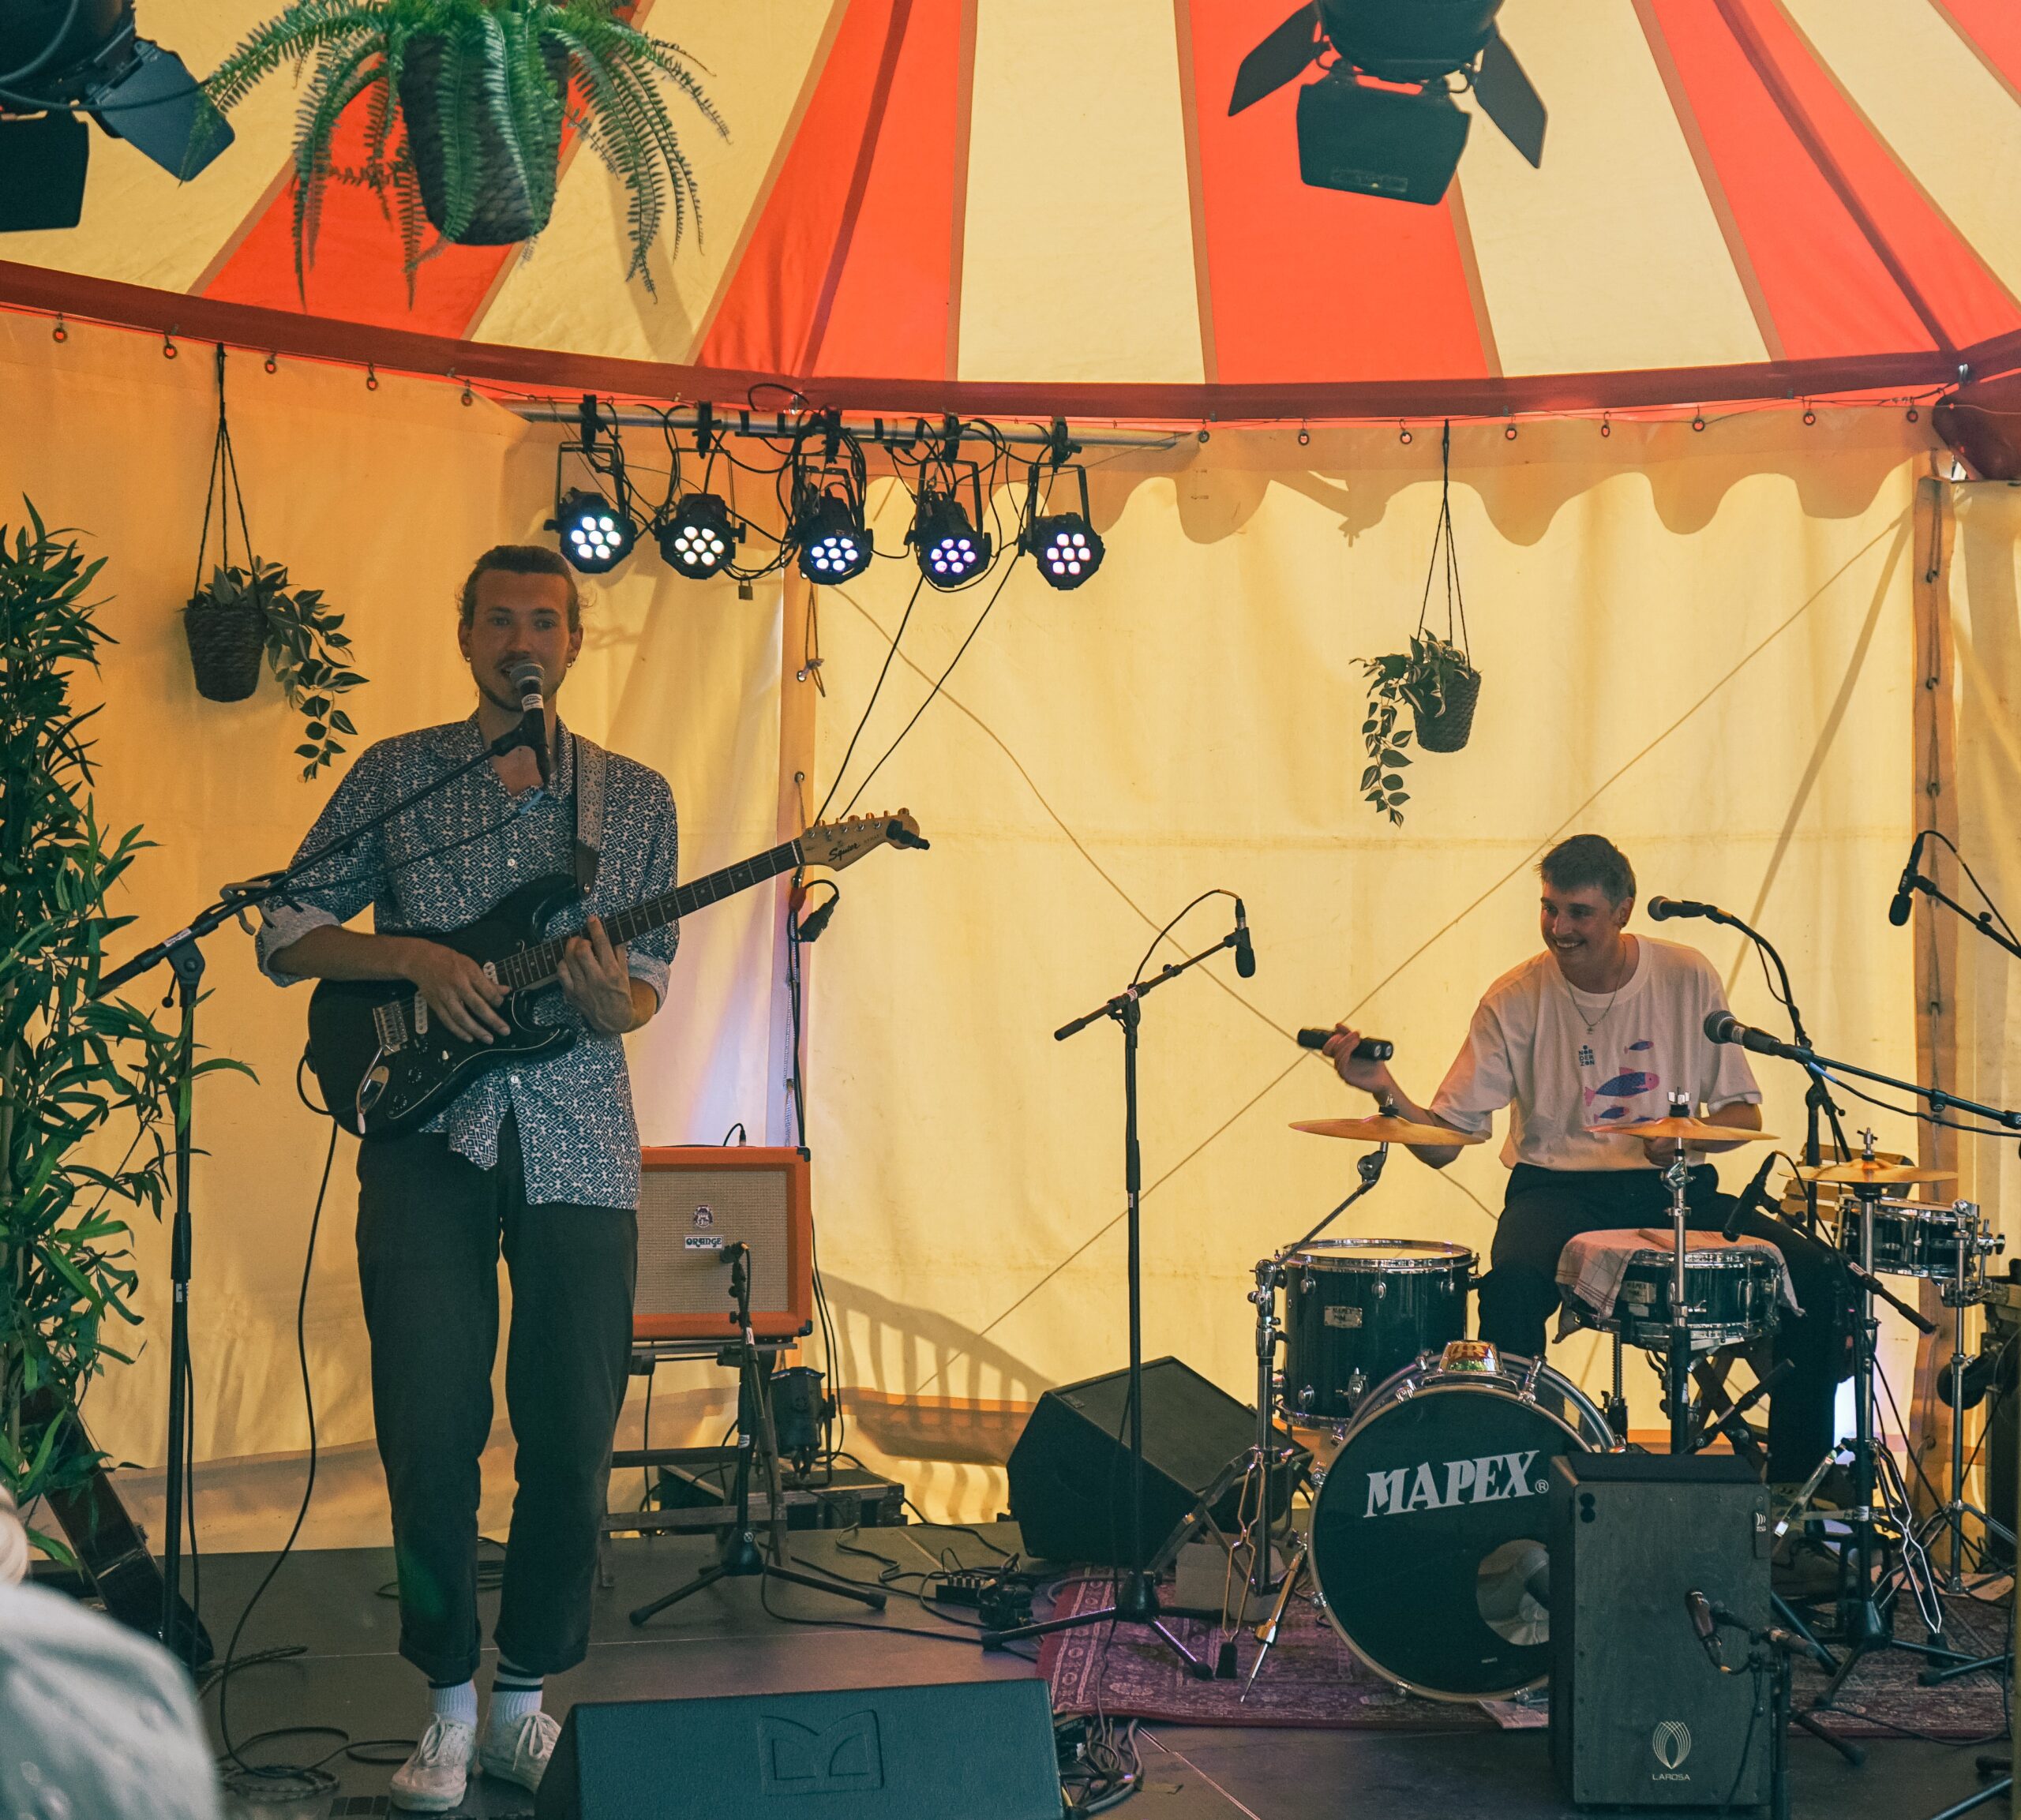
<point x="1950" y="122"/>
<point x="1182" y="17"/>
<point x="1637" y="273"/>
<point x="1077" y="260"/>
<point x="764" y="57"/>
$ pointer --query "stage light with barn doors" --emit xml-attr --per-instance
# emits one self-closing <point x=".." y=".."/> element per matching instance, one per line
<point x="596" y="536"/>
<point x="834" y="546"/>
<point x="950" y="551"/>
<point x="1066" y="545"/>
<point x="699" y="538"/>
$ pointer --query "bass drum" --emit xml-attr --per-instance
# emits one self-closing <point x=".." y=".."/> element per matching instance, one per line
<point x="1429" y="1536"/>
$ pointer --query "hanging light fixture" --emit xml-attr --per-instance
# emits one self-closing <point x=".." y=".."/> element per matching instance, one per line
<point x="699" y="537"/>
<point x="1066" y="545"/>
<point x="596" y="535"/>
<point x="834" y="544"/>
<point x="949" y="548"/>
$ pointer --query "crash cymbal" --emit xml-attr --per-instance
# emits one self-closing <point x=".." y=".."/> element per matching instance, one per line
<point x="1859" y="1173"/>
<point x="1684" y="1130"/>
<point x="1383" y="1129"/>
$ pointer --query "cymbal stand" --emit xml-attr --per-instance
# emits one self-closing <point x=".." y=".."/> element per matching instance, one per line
<point x="1677" y="1362"/>
<point x="1253" y="1527"/>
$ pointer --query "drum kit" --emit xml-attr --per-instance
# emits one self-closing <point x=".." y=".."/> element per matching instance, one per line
<point x="1427" y="1543"/>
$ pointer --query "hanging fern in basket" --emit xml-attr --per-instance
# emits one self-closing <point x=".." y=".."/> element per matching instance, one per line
<point x="465" y="102"/>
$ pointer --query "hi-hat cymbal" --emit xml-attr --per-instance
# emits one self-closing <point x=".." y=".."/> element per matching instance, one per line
<point x="1683" y="1130"/>
<point x="1384" y="1128"/>
<point x="1860" y="1173"/>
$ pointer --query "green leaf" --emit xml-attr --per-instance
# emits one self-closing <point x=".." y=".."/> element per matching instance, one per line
<point x="1367" y="778"/>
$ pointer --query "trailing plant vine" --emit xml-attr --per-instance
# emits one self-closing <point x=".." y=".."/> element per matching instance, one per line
<point x="76" y="1071"/>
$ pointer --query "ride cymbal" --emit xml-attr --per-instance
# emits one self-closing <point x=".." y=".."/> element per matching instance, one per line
<point x="1859" y="1172"/>
<point x="1683" y="1131"/>
<point x="1383" y="1129"/>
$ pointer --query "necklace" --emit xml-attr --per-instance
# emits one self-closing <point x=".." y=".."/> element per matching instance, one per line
<point x="1593" y="1023"/>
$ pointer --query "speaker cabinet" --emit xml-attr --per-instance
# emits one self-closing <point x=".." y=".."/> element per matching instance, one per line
<point x="1070" y="1471"/>
<point x="1639" y="1717"/>
<point x="982" y="1750"/>
<point x="694" y="1200"/>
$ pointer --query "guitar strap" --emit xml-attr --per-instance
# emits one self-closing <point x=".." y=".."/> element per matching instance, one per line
<point x="589" y="766"/>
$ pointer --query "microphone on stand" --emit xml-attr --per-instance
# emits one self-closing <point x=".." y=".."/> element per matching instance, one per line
<point x="1662" y="909"/>
<point x="526" y="679"/>
<point x="1245" y="955"/>
<point x="1898" y="911"/>
<point x="1753" y="1199"/>
<point x="1723" y="1026"/>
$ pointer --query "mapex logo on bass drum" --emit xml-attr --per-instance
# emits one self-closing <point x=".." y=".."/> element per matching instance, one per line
<point x="1671" y="1743"/>
<point x="1488" y="1478"/>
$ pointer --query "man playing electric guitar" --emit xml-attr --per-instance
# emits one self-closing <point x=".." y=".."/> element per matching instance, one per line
<point x="539" y="1159"/>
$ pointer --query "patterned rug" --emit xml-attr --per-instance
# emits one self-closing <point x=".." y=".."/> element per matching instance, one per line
<point x="1312" y="1679"/>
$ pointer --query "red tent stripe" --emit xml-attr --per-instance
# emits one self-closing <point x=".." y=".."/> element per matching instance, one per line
<point x="894" y="293"/>
<point x="1311" y="284"/>
<point x="1993" y="28"/>
<point x="783" y="286"/>
<point x="1826" y="290"/>
<point x="1958" y="300"/>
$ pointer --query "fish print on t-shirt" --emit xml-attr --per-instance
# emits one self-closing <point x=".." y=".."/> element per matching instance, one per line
<point x="1611" y="1101"/>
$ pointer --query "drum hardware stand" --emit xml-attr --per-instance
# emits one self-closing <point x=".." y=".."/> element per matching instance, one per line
<point x="739" y="1555"/>
<point x="1136" y="1593"/>
<point x="1677" y="1360"/>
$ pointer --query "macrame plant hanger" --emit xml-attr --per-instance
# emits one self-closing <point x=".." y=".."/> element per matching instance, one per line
<point x="225" y="622"/>
<point x="1446" y="714"/>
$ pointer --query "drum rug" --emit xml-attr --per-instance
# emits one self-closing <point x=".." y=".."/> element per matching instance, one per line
<point x="1311" y="1678"/>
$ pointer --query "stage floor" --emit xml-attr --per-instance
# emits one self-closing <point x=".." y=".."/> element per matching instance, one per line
<point x="721" y="1641"/>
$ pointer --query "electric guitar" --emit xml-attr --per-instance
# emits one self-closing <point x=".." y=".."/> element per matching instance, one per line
<point x="387" y="1065"/>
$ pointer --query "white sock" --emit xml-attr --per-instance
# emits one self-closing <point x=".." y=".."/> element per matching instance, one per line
<point x="458" y="1702"/>
<point x="514" y="1694"/>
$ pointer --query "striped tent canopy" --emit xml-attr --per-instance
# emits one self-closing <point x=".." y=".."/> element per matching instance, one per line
<point x="1041" y="205"/>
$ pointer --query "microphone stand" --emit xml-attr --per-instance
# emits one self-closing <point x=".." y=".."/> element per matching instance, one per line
<point x="1136" y="1594"/>
<point x="181" y="1633"/>
<point x="1980" y="920"/>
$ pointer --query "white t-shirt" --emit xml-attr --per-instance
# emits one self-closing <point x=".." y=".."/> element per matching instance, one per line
<point x="1529" y="1048"/>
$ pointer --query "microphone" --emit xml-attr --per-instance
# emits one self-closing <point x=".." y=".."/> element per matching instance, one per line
<point x="1368" y="1049"/>
<point x="1723" y="1026"/>
<point x="1662" y="909"/>
<point x="1753" y="1200"/>
<point x="1245" y="955"/>
<point x="1898" y="911"/>
<point x="525" y="676"/>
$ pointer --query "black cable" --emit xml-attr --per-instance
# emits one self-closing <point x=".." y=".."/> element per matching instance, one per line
<point x="1137" y="977"/>
<point x="1984" y="894"/>
<point x="841" y="770"/>
<point x="314" y="1779"/>
<point x="1922" y="1115"/>
<point x="1747" y="1742"/>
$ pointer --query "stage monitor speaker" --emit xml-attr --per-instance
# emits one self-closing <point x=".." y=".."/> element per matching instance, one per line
<point x="1640" y="1716"/>
<point x="1070" y="1471"/>
<point x="694" y="1200"/>
<point x="981" y="1750"/>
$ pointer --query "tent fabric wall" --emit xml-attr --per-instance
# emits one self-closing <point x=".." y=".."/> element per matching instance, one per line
<point x="382" y="498"/>
<point x="1698" y="645"/>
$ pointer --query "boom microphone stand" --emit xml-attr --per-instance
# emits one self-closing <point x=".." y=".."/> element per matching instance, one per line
<point x="1136" y="1595"/>
<point x="180" y="1632"/>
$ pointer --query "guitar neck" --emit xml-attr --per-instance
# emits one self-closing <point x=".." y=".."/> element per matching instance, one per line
<point x="532" y="967"/>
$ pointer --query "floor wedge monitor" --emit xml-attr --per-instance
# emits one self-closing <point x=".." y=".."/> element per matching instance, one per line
<point x="980" y="1750"/>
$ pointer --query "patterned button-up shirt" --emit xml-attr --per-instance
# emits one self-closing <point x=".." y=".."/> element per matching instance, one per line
<point x="444" y="863"/>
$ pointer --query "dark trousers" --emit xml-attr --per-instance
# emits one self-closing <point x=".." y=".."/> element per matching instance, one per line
<point x="430" y="1227"/>
<point x="1544" y="1209"/>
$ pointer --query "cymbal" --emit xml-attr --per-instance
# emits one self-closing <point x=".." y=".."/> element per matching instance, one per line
<point x="1858" y="1172"/>
<point x="1383" y="1129"/>
<point x="1688" y="1131"/>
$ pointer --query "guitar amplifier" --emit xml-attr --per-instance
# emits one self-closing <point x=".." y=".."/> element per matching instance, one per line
<point x="694" y="1200"/>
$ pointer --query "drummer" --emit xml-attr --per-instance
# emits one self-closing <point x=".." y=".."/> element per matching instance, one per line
<point x="1599" y="1030"/>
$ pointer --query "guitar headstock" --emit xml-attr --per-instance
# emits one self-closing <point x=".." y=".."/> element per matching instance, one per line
<point x="835" y="844"/>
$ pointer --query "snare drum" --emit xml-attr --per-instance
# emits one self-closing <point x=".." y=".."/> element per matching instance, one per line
<point x="1430" y="1534"/>
<point x="1358" y="1310"/>
<point x="1912" y="1238"/>
<point x="1731" y="1296"/>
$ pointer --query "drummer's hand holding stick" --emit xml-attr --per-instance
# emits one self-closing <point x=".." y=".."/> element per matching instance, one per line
<point x="1375" y="1079"/>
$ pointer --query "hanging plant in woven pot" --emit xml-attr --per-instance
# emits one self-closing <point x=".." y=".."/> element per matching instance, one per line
<point x="465" y="103"/>
<point x="1434" y="677"/>
<point x="247" y="611"/>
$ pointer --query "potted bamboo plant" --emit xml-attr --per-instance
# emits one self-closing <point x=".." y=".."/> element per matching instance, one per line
<point x="464" y="105"/>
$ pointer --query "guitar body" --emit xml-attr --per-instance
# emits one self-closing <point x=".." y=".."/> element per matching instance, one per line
<point x="386" y="1066"/>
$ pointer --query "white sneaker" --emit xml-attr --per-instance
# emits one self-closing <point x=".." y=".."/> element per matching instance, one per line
<point x="517" y="1749"/>
<point x="433" y="1780"/>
